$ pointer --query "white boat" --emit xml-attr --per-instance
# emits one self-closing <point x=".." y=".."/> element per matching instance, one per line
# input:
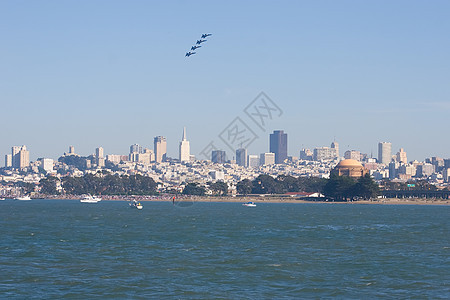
<point x="23" y="198"/>
<point x="249" y="204"/>
<point x="90" y="199"/>
<point x="136" y="204"/>
<point x="1" y="199"/>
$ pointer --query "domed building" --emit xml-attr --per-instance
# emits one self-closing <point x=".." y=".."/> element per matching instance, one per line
<point x="349" y="167"/>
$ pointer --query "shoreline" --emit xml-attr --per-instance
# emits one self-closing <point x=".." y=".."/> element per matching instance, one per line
<point x="383" y="201"/>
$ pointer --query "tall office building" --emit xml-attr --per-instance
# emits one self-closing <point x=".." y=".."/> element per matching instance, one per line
<point x="8" y="161"/>
<point x="99" y="152"/>
<point x="401" y="156"/>
<point x="267" y="159"/>
<point x="218" y="156"/>
<point x="185" y="149"/>
<point x="136" y="148"/>
<point x="278" y="145"/>
<point x="253" y="161"/>
<point x="20" y="157"/>
<point x="160" y="144"/>
<point x="241" y="157"/>
<point x="335" y="146"/>
<point x="384" y="153"/>
<point x="352" y="154"/>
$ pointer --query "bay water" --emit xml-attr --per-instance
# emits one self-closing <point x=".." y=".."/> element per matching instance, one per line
<point x="53" y="249"/>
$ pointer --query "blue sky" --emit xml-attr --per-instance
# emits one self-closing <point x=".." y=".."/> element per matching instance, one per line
<point x="113" y="73"/>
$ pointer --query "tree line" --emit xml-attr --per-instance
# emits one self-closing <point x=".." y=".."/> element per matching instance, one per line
<point x="100" y="184"/>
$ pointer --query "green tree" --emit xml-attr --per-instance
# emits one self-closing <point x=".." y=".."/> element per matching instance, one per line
<point x="339" y="187"/>
<point x="219" y="188"/>
<point x="194" y="189"/>
<point x="48" y="185"/>
<point x="366" y="187"/>
<point x="244" y="187"/>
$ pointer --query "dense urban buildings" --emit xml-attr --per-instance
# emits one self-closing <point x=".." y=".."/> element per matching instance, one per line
<point x="176" y="173"/>
<point x="278" y="145"/>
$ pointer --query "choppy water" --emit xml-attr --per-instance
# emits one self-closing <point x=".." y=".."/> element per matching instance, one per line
<point x="66" y="249"/>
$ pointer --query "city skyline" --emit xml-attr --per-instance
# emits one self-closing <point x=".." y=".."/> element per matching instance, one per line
<point x="113" y="74"/>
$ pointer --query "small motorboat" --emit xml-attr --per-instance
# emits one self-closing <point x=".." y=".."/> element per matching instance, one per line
<point x="90" y="199"/>
<point x="23" y="198"/>
<point x="249" y="204"/>
<point x="136" y="204"/>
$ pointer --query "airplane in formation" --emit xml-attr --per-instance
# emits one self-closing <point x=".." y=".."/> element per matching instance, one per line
<point x="197" y="45"/>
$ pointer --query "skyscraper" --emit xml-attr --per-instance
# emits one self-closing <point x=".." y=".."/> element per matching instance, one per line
<point x="401" y="156"/>
<point x="136" y="148"/>
<point x="218" y="156"/>
<point x="335" y="146"/>
<point x="99" y="152"/>
<point x="20" y="157"/>
<point x="185" y="149"/>
<point x="241" y="157"/>
<point x="384" y="153"/>
<point x="278" y="145"/>
<point x="160" y="145"/>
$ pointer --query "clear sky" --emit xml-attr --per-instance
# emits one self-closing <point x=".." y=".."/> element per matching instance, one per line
<point x="113" y="73"/>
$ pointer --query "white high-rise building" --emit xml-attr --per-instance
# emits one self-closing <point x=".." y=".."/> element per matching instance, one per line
<point x="267" y="158"/>
<point x="253" y="161"/>
<point x="160" y="144"/>
<point x="384" y="153"/>
<point x="401" y="156"/>
<point x="8" y="161"/>
<point x="47" y="164"/>
<point x="99" y="152"/>
<point x="20" y="157"/>
<point x="185" y="149"/>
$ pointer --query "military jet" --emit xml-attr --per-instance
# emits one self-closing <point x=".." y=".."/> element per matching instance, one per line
<point x="189" y="53"/>
<point x="206" y="35"/>
<point x="195" y="47"/>
<point x="200" y="41"/>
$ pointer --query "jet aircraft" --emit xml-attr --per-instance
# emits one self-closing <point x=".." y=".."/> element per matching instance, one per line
<point x="189" y="53"/>
<point x="206" y="35"/>
<point x="195" y="47"/>
<point x="200" y="41"/>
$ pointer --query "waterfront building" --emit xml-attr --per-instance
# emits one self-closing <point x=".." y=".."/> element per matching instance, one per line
<point x="384" y="153"/>
<point x="278" y="145"/>
<point x="253" y="161"/>
<point x="401" y="156"/>
<point x="241" y="157"/>
<point x="160" y="146"/>
<point x="349" y="167"/>
<point x="218" y="156"/>
<point x="185" y="149"/>
<point x="267" y="159"/>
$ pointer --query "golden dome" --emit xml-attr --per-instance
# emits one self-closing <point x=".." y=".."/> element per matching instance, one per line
<point x="349" y="163"/>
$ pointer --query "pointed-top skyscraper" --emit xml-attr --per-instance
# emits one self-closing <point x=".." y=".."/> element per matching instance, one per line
<point x="185" y="149"/>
